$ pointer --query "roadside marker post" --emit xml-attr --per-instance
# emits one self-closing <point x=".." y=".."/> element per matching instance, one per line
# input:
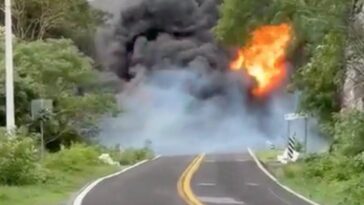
<point x="290" y="154"/>
<point x="297" y="116"/>
<point x="291" y="147"/>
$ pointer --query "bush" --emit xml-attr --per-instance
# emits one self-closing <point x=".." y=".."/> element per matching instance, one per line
<point x="298" y="146"/>
<point x="317" y="166"/>
<point x="358" y="162"/>
<point x="329" y="167"/>
<point x="291" y="171"/>
<point x="73" y="159"/>
<point x="354" y="191"/>
<point x="19" y="161"/>
<point x="131" y="156"/>
<point x="349" y="133"/>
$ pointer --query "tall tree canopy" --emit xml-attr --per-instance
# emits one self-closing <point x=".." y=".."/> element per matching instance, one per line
<point x="320" y="28"/>
<point x="57" y="70"/>
<point x="40" y="19"/>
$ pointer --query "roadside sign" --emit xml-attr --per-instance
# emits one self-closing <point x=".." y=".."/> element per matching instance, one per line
<point x="40" y="105"/>
<point x="294" y="116"/>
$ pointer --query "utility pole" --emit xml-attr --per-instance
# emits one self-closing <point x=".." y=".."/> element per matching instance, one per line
<point x="10" y="114"/>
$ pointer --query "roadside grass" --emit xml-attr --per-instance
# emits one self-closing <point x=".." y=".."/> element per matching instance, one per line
<point x="293" y="175"/>
<point x="268" y="155"/>
<point x="56" y="191"/>
<point x="59" y="175"/>
<point x="318" y="190"/>
<point x="132" y="156"/>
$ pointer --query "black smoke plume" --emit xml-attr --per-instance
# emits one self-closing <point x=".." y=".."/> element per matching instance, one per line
<point x="157" y="34"/>
<point x="179" y="92"/>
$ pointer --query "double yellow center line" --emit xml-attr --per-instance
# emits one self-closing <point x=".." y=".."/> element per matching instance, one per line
<point x="184" y="183"/>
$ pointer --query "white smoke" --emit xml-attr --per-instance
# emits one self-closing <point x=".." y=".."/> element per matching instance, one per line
<point x="160" y="108"/>
<point x="181" y="110"/>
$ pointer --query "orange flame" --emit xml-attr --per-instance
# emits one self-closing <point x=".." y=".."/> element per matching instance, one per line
<point x="264" y="57"/>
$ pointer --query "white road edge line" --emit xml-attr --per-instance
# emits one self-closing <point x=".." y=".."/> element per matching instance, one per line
<point x="78" y="200"/>
<point x="278" y="197"/>
<point x="266" y="172"/>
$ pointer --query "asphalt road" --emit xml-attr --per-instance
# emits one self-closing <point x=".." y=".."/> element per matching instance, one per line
<point x="236" y="179"/>
<point x="152" y="183"/>
<point x="218" y="180"/>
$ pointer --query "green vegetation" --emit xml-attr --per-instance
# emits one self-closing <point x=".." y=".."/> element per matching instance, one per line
<point x="131" y="155"/>
<point x="18" y="161"/>
<point x="299" y="176"/>
<point x="320" y="97"/>
<point x="317" y="50"/>
<point x="328" y="179"/>
<point x="57" y="70"/>
<point x="322" y="32"/>
<point x="41" y="19"/>
<point x="55" y="192"/>
<point x="334" y="178"/>
<point x="26" y="179"/>
<point x="53" y="42"/>
<point x="269" y="155"/>
<point x="316" y="189"/>
<point x="51" y="57"/>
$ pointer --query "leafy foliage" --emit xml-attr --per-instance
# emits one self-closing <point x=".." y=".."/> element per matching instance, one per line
<point x="73" y="159"/>
<point x="239" y="17"/>
<point x="319" y="27"/>
<point x="57" y="70"/>
<point x="349" y="133"/>
<point x="354" y="191"/>
<point x="317" y="53"/>
<point x="48" y="64"/>
<point x="320" y="79"/>
<point x="131" y="156"/>
<point x="298" y="146"/>
<point x="342" y="168"/>
<point x="40" y="19"/>
<point x="19" y="161"/>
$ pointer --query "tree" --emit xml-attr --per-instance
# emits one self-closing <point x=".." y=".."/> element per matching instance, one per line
<point x="40" y="19"/>
<point x="57" y="70"/>
<point x="320" y="79"/>
<point x="320" y="31"/>
<point x="239" y="17"/>
<point x="311" y="19"/>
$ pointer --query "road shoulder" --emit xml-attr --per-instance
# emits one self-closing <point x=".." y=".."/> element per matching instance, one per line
<point x="274" y="179"/>
<point x="79" y="196"/>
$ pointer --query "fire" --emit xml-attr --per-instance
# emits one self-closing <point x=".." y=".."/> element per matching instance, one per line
<point x="263" y="58"/>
